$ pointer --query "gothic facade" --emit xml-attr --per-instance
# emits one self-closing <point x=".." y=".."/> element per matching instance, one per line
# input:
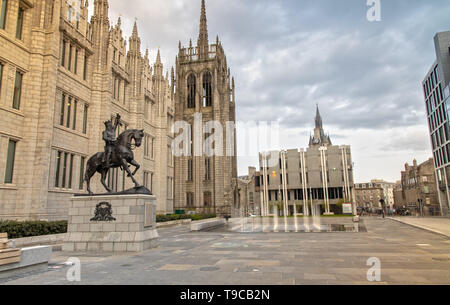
<point x="61" y="77"/>
<point x="205" y="90"/>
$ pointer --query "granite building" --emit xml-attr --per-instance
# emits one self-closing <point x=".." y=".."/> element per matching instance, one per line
<point x="437" y="98"/>
<point x="205" y="91"/>
<point x="61" y="77"/>
<point x="320" y="176"/>
<point x="368" y="195"/>
<point x="418" y="191"/>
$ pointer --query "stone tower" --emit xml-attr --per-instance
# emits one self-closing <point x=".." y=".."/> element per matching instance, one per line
<point x="205" y="88"/>
<point x="319" y="138"/>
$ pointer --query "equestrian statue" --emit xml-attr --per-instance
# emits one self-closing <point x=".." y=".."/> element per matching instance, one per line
<point x="118" y="154"/>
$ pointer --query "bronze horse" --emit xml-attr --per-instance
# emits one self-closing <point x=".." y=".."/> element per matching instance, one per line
<point x="121" y="156"/>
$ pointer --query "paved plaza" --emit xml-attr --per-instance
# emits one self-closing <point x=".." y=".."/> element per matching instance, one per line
<point x="408" y="255"/>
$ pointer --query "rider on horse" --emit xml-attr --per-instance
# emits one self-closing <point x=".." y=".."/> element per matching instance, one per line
<point x="109" y="136"/>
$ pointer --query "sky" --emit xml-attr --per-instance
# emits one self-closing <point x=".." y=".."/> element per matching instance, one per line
<point x="289" y="55"/>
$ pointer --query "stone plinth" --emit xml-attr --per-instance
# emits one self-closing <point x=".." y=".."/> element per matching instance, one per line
<point x="132" y="225"/>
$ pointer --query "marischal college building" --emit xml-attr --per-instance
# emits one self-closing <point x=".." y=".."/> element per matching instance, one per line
<point x="61" y="78"/>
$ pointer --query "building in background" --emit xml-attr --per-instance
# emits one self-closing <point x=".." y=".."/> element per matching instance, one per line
<point x="418" y="191"/>
<point x="368" y="196"/>
<point x="249" y="199"/>
<point x="320" y="177"/>
<point x="205" y="90"/>
<point x="61" y="78"/>
<point x="436" y="91"/>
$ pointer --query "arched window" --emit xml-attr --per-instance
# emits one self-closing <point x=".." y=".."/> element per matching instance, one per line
<point x="191" y="87"/>
<point x="207" y="90"/>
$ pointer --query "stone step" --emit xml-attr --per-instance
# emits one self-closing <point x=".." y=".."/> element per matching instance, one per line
<point x="8" y="253"/>
<point x="3" y="235"/>
<point x="10" y="260"/>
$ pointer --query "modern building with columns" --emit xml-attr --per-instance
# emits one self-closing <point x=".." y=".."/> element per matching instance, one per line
<point x="61" y="77"/>
<point x="310" y="181"/>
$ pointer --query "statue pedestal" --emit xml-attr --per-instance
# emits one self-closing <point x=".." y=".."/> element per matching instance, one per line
<point x="111" y="223"/>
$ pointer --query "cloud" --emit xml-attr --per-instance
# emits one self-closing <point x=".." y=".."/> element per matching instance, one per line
<point x="287" y="56"/>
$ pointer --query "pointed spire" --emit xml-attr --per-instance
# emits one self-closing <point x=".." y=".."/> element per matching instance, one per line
<point x="158" y="58"/>
<point x="203" y="43"/>
<point x="135" y="31"/>
<point x="318" y="118"/>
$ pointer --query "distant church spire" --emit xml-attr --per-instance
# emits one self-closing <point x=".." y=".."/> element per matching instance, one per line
<point x="203" y="43"/>
<point x="319" y="137"/>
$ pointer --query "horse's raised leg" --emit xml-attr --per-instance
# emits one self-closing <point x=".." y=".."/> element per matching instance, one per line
<point x="135" y="164"/>
<point x="127" y="169"/>
<point x="103" y="179"/>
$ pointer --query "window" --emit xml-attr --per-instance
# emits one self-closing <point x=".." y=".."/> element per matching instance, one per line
<point x="148" y="180"/>
<point x="207" y="199"/>
<point x="3" y="14"/>
<point x="70" y="171"/>
<point x="191" y="91"/>
<point x="64" y="170"/>
<point x="74" y="122"/>
<point x="17" y="90"/>
<point x="63" y="53"/>
<point x="19" y="28"/>
<point x="80" y="183"/>
<point x="70" y="12"/>
<point x="1" y="76"/>
<point x="85" y="117"/>
<point x="69" y="110"/>
<point x="62" y="109"/>
<point x="207" y="169"/>
<point x="9" y="170"/>
<point x="207" y="90"/>
<point x="58" y="168"/>
<point x="85" y="67"/>
<point x="75" y="67"/>
<point x="69" y="65"/>
<point x="190" y="200"/>
<point x="190" y="175"/>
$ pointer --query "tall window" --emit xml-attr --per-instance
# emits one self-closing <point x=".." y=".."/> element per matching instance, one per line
<point x="191" y="84"/>
<point x="207" y="90"/>
<point x="190" y="176"/>
<point x="207" y="169"/>
<point x="17" y="90"/>
<point x="82" y="161"/>
<point x="64" y="170"/>
<point x="85" y="67"/>
<point x="1" y="76"/>
<point x="69" y="111"/>
<point x="190" y="200"/>
<point x="148" y="180"/>
<point x="85" y="117"/>
<point x="10" y="161"/>
<point x="70" y="171"/>
<point x="75" y="67"/>
<point x="207" y="199"/>
<point x="69" y="65"/>
<point x="19" y="28"/>
<point x="58" y="168"/>
<point x="62" y="109"/>
<point x="3" y="14"/>
<point x="63" y="53"/>
<point x="74" y="122"/>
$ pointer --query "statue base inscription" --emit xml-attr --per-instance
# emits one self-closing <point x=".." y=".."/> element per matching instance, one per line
<point x="111" y="223"/>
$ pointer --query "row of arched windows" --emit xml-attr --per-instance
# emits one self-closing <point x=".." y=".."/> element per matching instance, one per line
<point x="207" y="99"/>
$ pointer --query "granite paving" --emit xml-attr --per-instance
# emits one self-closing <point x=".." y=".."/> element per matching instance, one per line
<point x="408" y="255"/>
